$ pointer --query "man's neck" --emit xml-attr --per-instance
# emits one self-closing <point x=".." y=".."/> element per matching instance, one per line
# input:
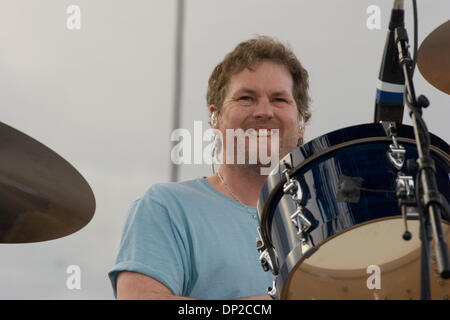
<point x="244" y="182"/>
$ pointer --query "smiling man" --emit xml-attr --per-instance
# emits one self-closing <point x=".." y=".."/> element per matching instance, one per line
<point x="196" y="238"/>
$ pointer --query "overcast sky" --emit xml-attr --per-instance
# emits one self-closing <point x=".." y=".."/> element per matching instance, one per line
<point x="101" y="97"/>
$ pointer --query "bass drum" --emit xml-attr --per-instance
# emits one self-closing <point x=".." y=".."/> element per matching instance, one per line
<point x="354" y="249"/>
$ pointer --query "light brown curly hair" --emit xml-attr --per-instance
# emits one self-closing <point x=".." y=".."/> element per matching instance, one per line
<point x="249" y="53"/>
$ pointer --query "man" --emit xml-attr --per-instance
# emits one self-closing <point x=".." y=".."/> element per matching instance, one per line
<point x="196" y="239"/>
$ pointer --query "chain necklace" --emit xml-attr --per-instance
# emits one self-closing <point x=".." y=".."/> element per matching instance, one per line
<point x="235" y="197"/>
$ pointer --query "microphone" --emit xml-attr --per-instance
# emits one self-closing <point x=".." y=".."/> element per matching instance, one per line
<point x="389" y="102"/>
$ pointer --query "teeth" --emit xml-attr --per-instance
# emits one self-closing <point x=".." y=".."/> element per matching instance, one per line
<point x="260" y="132"/>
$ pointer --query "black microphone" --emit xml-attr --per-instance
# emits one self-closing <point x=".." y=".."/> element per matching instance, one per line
<point x="389" y="103"/>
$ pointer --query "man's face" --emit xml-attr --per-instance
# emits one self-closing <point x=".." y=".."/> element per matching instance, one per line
<point x="262" y="99"/>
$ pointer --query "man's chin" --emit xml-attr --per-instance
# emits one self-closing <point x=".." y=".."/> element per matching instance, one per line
<point x="257" y="168"/>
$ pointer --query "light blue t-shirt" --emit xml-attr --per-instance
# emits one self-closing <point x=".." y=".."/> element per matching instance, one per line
<point x="195" y="240"/>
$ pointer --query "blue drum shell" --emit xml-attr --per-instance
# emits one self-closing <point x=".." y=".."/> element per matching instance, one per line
<point x="358" y="152"/>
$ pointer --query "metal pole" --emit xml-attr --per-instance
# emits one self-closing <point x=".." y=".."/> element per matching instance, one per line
<point x="178" y="79"/>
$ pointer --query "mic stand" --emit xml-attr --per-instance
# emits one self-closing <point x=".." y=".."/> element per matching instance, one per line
<point x="429" y="201"/>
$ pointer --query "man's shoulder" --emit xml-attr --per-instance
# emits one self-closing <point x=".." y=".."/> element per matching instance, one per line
<point x="168" y="190"/>
<point x="176" y="199"/>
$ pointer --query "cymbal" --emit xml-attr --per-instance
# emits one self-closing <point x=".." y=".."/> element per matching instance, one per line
<point x="42" y="197"/>
<point x="433" y="57"/>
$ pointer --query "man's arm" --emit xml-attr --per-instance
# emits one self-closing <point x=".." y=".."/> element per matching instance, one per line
<point x="137" y="286"/>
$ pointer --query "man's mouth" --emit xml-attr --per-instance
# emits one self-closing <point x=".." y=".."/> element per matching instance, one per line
<point x="265" y="132"/>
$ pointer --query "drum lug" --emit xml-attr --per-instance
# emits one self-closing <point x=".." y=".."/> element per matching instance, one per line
<point x="396" y="155"/>
<point x="396" y="152"/>
<point x="300" y="221"/>
<point x="293" y="188"/>
<point x="307" y="245"/>
<point x="269" y="261"/>
<point x="268" y="257"/>
<point x="272" y="291"/>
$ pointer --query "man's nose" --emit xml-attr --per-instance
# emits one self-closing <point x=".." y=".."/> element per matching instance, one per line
<point x="264" y="109"/>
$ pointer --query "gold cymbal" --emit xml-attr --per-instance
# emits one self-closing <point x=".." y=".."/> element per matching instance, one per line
<point x="42" y="197"/>
<point x="433" y="57"/>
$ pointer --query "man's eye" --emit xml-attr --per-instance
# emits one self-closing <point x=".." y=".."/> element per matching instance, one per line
<point x="246" y="100"/>
<point x="281" y="100"/>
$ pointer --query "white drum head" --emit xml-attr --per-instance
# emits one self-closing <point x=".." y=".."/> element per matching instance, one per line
<point x="369" y="261"/>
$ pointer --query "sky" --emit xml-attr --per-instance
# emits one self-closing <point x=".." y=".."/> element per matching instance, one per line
<point x="101" y="96"/>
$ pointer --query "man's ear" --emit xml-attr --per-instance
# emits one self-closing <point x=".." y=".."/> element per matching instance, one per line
<point x="301" y="130"/>
<point x="301" y="133"/>
<point x="213" y="116"/>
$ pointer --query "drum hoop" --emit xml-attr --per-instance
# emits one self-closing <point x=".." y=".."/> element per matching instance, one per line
<point x="265" y="230"/>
